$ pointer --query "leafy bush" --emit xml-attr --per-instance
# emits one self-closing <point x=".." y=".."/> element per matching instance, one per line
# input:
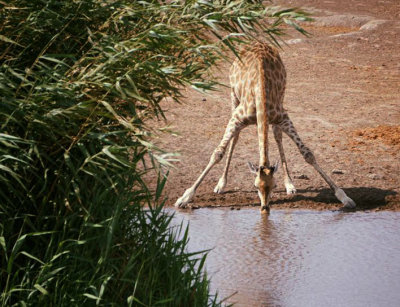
<point x="79" y="81"/>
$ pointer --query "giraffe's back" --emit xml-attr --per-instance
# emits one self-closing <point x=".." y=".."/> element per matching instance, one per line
<point x="245" y="80"/>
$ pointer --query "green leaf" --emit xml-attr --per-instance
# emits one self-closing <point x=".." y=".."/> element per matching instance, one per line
<point x="13" y="174"/>
<point x="8" y="40"/>
<point x="41" y="289"/>
<point x="91" y="296"/>
<point x="32" y="257"/>
<point x="3" y="245"/>
<point x="106" y="150"/>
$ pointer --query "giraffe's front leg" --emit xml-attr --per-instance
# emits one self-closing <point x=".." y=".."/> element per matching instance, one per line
<point x="186" y="198"/>
<point x="219" y="188"/>
<point x="290" y="188"/>
<point x="287" y="126"/>
<point x="231" y="131"/>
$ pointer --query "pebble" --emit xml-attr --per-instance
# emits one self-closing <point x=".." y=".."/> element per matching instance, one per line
<point x="294" y="41"/>
<point x="372" y="25"/>
<point x="374" y="176"/>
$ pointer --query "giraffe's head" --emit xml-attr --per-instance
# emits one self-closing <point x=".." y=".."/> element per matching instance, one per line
<point x="264" y="183"/>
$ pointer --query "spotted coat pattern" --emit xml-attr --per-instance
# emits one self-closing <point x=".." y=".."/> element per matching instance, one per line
<point x="258" y="81"/>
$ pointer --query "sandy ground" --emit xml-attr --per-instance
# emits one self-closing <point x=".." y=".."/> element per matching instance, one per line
<point x="343" y="95"/>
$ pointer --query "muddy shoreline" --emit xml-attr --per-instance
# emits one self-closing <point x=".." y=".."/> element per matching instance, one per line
<point x="343" y="95"/>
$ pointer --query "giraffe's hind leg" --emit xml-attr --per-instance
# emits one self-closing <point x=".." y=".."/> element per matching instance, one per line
<point x="233" y="128"/>
<point x="290" y="189"/>
<point x="287" y="126"/>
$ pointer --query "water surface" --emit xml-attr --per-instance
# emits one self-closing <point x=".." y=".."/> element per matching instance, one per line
<point x="299" y="258"/>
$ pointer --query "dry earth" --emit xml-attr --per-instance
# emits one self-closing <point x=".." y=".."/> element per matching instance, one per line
<point x="343" y="95"/>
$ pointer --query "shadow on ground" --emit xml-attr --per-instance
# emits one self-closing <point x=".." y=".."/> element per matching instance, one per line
<point x="366" y="198"/>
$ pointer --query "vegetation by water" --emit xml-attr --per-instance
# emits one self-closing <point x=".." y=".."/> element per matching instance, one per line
<point x="79" y="82"/>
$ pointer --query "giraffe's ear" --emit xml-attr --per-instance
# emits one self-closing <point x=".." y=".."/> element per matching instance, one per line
<point x="253" y="168"/>
<point x="274" y="168"/>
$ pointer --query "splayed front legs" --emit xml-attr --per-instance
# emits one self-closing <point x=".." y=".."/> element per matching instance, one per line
<point x="287" y="126"/>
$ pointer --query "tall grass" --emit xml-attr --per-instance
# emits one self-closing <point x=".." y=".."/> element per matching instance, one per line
<point x="79" y="81"/>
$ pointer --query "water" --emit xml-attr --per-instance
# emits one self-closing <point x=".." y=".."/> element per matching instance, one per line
<point x="299" y="258"/>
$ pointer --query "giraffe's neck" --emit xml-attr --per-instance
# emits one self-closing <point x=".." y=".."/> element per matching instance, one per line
<point x="262" y="116"/>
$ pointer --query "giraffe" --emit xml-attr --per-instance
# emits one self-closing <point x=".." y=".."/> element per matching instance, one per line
<point x="258" y="81"/>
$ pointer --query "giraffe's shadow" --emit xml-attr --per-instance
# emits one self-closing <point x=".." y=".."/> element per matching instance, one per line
<point x="366" y="198"/>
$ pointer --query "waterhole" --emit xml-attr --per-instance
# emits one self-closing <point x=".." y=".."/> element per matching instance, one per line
<point x="299" y="258"/>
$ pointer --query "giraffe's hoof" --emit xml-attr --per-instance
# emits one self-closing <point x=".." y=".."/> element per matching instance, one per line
<point x="181" y="203"/>
<point x="185" y="199"/>
<point x="290" y="189"/>
<point x="219" y="188"/>
<point x="349" y="203"/>
<point x="344" y="199"/>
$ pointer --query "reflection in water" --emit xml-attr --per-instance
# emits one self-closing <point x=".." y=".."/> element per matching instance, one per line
<point x="299" y="258"/>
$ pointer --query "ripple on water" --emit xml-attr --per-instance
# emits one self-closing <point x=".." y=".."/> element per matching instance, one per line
<point x="300" y="258"/>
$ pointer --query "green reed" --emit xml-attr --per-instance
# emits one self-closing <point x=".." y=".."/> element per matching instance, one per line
<point x="79" y="82"/>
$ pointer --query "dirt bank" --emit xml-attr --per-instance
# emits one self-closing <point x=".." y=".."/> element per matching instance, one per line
<point x="343" y="95"/>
